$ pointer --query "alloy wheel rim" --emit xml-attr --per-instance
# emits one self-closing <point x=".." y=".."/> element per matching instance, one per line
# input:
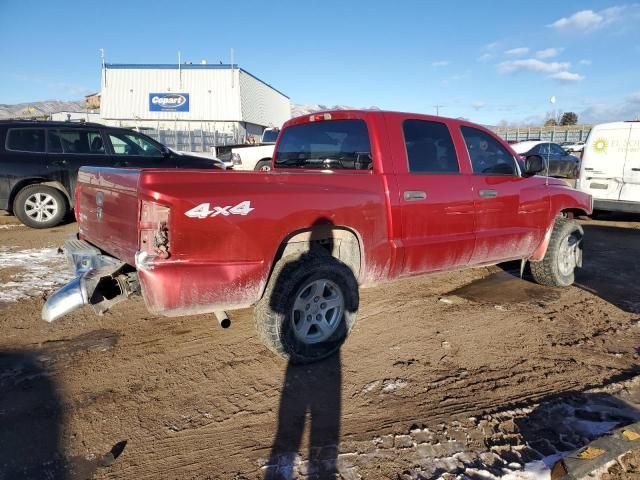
<point x="317" y="311"/>
<point x="568" y="255"/>
<point x="41" y="207"/>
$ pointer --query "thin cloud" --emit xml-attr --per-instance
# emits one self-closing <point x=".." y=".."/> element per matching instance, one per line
<point x="478" y="105"/>
<point x="567" y="77"/>
<point x="517" y="51"/>
<point x="485" y="57"/>
<point x="585" y="62"/>
<point x="627" y="109"/>
<point x="440" y="63"/>
<point x="531" y="65"/>
<point x="548" y="53"/>
<point x="588" y="20"/>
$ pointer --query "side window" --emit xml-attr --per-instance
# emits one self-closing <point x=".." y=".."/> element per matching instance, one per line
<point x="25" y="139"/>
<point x="488" y="156"/>
<point x="545" y="149"/>
<point x="429" y="147"/>
<point x="132" y="144"/>
<point x="557" y="149"/>
<point x="76" y="141"/>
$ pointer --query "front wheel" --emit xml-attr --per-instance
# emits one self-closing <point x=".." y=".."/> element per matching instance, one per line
<point x="564" y="254"/>
<point x="308" y="308"/>
<point x="40" y="206"/>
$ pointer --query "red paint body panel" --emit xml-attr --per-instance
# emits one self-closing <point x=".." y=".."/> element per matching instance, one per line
<point x="224" y="261"/>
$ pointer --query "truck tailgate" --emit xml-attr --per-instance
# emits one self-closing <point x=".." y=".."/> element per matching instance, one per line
<point x="108" y="210"/>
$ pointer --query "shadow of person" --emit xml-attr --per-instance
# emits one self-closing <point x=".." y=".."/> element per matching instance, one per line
<point x="316" y="298"/>
<point x="31" y="419"/>
<point x="312" y="391"/>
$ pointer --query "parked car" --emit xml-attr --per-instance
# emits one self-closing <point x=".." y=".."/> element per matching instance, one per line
<point x="560" y="163"/>
<point x="39" y="163"/>
<point x="355" y="197"/>
<point x="610" y="168"/>
<point x="250" y="156"/>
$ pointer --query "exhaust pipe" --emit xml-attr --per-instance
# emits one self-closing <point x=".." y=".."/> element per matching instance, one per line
<point x="93" y="287"/>
<point x="223" y="318"/>
<point x="69" y="298"/>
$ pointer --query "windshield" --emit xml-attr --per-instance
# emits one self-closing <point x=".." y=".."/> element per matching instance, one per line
<point x="270" y="136"/>
<point x="326" y="145"/>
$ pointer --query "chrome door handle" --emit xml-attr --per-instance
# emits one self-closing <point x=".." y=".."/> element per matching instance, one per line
<point x="488" y="193"/>
<point x="410" y="195"/>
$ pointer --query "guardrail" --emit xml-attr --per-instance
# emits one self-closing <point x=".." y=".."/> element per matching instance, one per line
<point x="558" y="134"/>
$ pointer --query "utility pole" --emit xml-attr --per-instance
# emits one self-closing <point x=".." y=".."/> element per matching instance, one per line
<point x="438" y="107"/>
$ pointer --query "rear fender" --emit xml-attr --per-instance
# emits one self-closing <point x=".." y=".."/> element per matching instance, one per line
<point x="340" y="242"/>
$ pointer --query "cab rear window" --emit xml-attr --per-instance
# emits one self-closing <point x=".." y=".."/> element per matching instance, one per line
<point x="325" y="145"/>
<point x="26" y="140"/>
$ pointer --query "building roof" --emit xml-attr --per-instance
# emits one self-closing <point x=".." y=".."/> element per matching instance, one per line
<point x="184" y="66"/>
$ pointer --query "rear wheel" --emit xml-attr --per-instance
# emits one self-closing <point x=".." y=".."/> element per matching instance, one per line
<point x="563" y="255"/>
<point x="40" y="206"/>
<point x="263" y="165"/>
<point x="308" y="308"/>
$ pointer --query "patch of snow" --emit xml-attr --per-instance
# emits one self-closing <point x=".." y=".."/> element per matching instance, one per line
<point x="41" y="270"/>
<point x="391" y="385"/>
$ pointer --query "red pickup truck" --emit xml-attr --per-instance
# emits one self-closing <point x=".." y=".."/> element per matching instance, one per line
<point x="354" y="198"/>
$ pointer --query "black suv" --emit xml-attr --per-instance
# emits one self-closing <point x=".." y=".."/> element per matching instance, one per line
<point x="39" y="163"/>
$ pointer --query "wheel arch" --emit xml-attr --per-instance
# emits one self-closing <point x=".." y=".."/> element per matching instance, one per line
<point x="38" y="181"/>
<point x="541" y="250"/>
<point x="342" y="243"/>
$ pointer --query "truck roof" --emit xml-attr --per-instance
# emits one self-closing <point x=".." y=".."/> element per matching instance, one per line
<point x="364" y="113"/>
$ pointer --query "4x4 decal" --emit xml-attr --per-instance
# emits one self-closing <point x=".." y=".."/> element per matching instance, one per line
<point x="204" y="210"/>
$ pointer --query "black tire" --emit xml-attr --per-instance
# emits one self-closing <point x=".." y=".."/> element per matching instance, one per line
<point x="54" y="211"/>
<point x="263" y="164"/>
<point x="565" y="242"/>
<point x="274" y="313"/>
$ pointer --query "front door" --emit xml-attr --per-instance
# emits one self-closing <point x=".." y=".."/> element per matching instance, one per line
<point x="133" y="150"/>
<point x="437" y="211"/>
<point x="603" y="161"/>
<point x="510" y="210"/>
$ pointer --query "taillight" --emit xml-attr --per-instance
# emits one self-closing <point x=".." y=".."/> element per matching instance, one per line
<point x="319" y="116"/>
<point x="154" y="229"/>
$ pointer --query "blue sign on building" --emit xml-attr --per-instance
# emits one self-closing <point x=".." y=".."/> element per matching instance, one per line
<point x="168" y="102"/>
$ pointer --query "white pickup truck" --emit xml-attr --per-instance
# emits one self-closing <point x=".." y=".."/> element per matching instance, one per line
<point x="250" y="157"/>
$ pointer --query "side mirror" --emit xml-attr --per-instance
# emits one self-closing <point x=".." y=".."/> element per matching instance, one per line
<point x="166" y="152"/>
<point x="533" y="165"/>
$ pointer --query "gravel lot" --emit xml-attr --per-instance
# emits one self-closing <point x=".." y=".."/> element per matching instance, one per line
<point x="472" y="374"/>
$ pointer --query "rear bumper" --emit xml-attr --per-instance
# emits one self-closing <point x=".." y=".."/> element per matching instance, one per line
<point x="100" y="281"/>
<point x="616" y="206"/>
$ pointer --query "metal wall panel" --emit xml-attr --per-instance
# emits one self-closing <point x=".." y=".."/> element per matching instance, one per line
<point x="213" y="93"/>
<point x="261" y="104"/>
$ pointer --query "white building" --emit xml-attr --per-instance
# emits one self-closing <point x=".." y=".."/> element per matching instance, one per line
<point x="221" y="99"/>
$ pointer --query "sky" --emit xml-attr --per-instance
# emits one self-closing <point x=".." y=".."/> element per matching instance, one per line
<point x="490" y="62"/>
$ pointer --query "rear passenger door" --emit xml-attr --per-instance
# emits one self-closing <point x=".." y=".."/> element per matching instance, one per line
<point x="509" y="210"/>
<point x="72" y="148"/>
<point x="25" y="155"/>
<point x="437" y="211"/>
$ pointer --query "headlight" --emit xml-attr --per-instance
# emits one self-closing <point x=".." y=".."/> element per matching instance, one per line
<point x="235" y="159"/>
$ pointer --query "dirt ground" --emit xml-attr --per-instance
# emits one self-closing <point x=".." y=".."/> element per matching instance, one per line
<point x="470" y="374"/>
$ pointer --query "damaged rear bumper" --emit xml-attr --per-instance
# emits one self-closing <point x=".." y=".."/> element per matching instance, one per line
<point x="101" y="281"/>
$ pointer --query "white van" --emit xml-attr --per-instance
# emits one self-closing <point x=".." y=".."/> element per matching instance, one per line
<point x="610" y="167"/>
